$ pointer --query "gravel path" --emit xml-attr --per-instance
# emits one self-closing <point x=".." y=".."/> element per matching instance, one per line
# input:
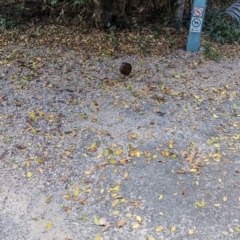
<point x="88" y="154"/>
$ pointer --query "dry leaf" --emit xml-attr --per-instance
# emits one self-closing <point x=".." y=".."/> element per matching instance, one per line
<point x="159" y="228"/>
<point x="150" y="238"/>
<point x="121" y="223"/>
<point x="75" y="191"/>
<point x="224" y="198"/>
<point x="123" y="161"/>
<point x="135" y="225"/>
<point x="139" y="219"/>
<point x="118" y="152"/>
<point x="160" y="197"/>
<point x="29" y="174"/>
<point x="173" y="229"/>
<point x="49" y="225"/>
<point x="181" y="171"/>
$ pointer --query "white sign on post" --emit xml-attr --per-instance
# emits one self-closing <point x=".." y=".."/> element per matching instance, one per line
<point x="196" y="24"/>
<point x="198" y="12"/>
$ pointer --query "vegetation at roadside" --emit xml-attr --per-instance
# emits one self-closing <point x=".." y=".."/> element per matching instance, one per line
<point x="147" y="28"/>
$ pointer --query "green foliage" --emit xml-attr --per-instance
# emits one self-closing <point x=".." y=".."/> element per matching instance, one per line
<point x="210" y="52"/>
<point x="219" y="28"/>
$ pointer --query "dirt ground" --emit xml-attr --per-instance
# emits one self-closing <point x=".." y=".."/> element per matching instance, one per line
<point x="86" y="153"/>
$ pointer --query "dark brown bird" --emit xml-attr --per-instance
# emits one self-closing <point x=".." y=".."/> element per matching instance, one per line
<point x="125" y="68"/>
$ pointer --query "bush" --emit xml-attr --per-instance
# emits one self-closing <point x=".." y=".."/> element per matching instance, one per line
<point x="219" y="28"/>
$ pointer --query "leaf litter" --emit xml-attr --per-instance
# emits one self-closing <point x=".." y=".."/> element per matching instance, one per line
<point x="74" y="130"/>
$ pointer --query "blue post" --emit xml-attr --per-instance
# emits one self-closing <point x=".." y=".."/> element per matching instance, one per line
<point x="195" y="30"/>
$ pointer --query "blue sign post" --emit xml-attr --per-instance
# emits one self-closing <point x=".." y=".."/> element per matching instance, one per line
<point x="195" y="30"/>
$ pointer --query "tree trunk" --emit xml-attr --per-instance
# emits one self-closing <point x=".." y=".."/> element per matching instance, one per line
<point x="178" y="11"/>
<point x="109" y="13"/>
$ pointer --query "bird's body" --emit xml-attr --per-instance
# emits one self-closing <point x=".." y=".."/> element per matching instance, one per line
<point x="125" y="68"/>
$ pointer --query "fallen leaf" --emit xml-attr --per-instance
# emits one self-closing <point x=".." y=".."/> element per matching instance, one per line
<point x="48" y="199"/>
<point x="118" y="152"/>
<point x="224" y="198"/>
<point x="75" y="191"/>
<point x="49" y="225"/>
<point x="170" y="144"/>
<point x="181" y="171"/>
<point x="135" y="225"/>
<point x="88" y="172"/>
<point x="160" y="197"/>
<point x="139" y="219"/>
<point x="173" y="229"/>
<point x="123" y="161"/>
<point x="126" y="175"/>
<point x="96" y="220"/>
<point x="159" y="228"/>
<point x="113" y="161"/>
<point x="121" y="223"/>
<point x="132" y="136"/>
<point x="200" y="204"/>
<point x="29" y="174"/>
<point x="98" y="237"/>
<point x="150" y="238"/>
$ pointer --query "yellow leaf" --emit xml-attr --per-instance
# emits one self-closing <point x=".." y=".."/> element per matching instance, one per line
<point x="173" y="229"/>
<point x="177" y="75"/>
<point x="238" y="229"/>
<point x="132" y="136"/>
<point x="98" y="237"/>
<point x="159" y="228"/>
<point x="197" y="183"/>
<point x="135" y="225"/>
<point x="200" y="204"/>
<point x="102" y="191"/>
<point x="116" y="212"/>
<point x="49" y="225"/>
<point x="162" y="214"/>
<point x="105" y="152"/>
<point x="217" y="157"/>
<point x="216" y="204"/>
<point x="160" y="197"/>
<point x="193" y="170"/>
<point x="84" y="155"/>
<point x="114" y="145"/>
<point x="125" y="175"/>
<point x="215" y="116"/>
<point x="93" y="147"/>
<point x="155" y="156"/>
<point x="118" y="152"/>
<point x="170" y="144"/>
<point x="224" y="198"/>
<point x="220" y="180"/>
<point x="150" y="238"/>
<point x="115" y="203"/>
<point x="135" y="153"/>
<point x="96" y="220"/>
<point x="32" y="115"/>
<point x="113" y="161"/>
<point x="88" y="172"/>
<point x="128" y="215"/>
<point x="116" y="188"/>
<point x="138" y="218"/>
<point x="75" y="191"/>
<point x="29" y="174"/>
